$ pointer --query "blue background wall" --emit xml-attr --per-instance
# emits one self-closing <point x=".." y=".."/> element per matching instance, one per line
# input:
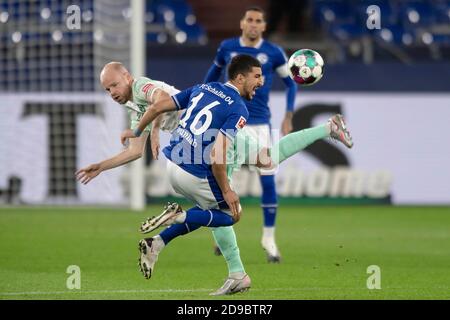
<point x="189" y="67"/>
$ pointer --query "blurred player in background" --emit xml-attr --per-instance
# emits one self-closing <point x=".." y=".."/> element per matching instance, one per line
<point x="273" y="59"/>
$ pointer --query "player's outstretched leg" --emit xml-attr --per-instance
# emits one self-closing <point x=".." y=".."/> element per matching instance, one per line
<point x="294" y="142"/>
<point x="149" y="249"/>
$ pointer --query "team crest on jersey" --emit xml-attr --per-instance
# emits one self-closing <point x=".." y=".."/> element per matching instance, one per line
<point x="262" y="58"/>
<point x="241" y="123"/>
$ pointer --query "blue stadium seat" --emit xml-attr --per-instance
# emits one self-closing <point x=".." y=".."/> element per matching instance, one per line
<point x="441" y="39"/>
<point x="441" y="11"/>
<point x="330" y="12"/>
<point x="347" y="31"/>
<point x="395" y="34"/>
<point x="417" y="14"/>
<point x="174" y="13"/>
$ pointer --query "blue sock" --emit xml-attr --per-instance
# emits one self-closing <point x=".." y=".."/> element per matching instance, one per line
<point x="269" y="202"/>
<point x="175" y="230"/>
<point x="208" y="218"/>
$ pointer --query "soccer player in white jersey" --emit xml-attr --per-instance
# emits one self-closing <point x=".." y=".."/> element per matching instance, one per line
<point x="273" y="60"/>
<point x="136" y="95"/>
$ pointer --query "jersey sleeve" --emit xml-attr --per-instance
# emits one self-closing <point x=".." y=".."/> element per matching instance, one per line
<point x="236" y="120"/>
<point x="219" y="60"/>
<point x="143" y="89"/>
<point x="280" y="63"/>
<point x="182" y="98"/>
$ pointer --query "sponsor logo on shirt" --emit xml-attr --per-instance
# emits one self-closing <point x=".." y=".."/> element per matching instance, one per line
<point x="146" y="87"/>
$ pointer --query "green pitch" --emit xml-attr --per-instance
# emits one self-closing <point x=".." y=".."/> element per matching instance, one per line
<point x="326" y="252"/>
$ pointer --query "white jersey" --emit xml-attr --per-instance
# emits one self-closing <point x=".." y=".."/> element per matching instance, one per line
<point x="143" y="89"/>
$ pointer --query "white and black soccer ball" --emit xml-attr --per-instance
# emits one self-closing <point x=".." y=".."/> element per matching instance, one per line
<point x="305" y="67"/>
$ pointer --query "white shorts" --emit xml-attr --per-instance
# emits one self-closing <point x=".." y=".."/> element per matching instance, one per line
<point x="205" y="193"/>
<point x="262" y="134"/>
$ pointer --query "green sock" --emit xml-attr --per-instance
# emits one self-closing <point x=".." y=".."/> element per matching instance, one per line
<point x="226" y="241"/>
<point x="296" y="141"/>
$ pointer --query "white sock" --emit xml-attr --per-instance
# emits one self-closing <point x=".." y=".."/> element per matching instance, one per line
<point x="181" y="218"/>
<point x="268" y="232"/>
<point x="158" y="243"/>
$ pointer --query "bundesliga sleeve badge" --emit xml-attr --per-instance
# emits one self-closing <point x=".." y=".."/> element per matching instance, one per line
<point x="241" y="123"/>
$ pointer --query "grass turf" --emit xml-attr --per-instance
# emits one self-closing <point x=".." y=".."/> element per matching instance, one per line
<point x="325" y="250"/>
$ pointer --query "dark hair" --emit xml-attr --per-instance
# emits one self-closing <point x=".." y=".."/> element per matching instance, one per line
<point x="242" y="64"/>
<point x="254" y="8"/>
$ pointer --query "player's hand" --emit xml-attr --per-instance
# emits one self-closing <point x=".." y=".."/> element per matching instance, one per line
<point x="232" y="199"/>
<point x="264" y="160"/>
<point x="154" y="141"/>
<point x="286" y="125"/>
<point x="126" y="134"/>
<point x="86" y="174"/>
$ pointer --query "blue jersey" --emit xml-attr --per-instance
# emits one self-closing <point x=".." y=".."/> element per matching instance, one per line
<point x="272" y="58"/>
<point x="210" y="108"/>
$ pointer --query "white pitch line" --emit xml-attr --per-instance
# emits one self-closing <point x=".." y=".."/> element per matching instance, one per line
<point x="99" y="291"/>
<point x="80" y="292"/>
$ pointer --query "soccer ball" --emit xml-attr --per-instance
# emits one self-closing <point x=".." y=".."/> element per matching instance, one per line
<point x="305" y="67"/>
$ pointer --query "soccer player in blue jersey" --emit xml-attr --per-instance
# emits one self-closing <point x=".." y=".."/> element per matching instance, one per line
<point x="273" y="59"/>
<point x="197" y="165"/>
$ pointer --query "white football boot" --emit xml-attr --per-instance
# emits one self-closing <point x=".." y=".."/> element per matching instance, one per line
<point x="149" y="250"/>
<point x="339" y="130"/>
<point x="233" y="285"/>
<point x="272" y="252"/>
<point x="171" y="212"/>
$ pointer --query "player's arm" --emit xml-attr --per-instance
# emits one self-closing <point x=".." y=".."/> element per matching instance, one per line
<point x="156" y="96"/>
<point x="135" y="150"/>
<point x="154" y="137"/>
<point x="215" y="71"/>
<point x="286" y="126"/>
<point x="164" y="105"/>
<point x="219" y="170"/>
<point x="291" y="91"/>
<point x="160" y="102"/>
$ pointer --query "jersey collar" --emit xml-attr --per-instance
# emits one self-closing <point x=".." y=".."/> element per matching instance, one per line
<point x="257" y="46"/>
<point x="228" y="84"/>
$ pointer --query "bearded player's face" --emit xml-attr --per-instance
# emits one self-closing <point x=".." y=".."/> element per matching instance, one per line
<point x="118" y="85"/>
<point x="252" y="81"/>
